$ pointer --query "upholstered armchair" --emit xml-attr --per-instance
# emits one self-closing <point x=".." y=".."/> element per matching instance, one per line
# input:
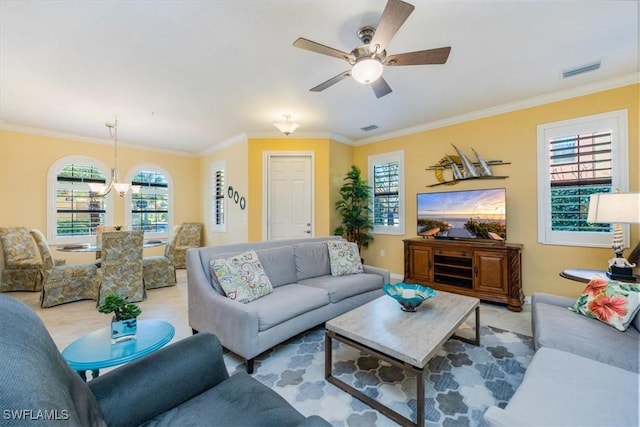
<point x="184" y="383"/>
<point x="20" y="261"/>
<point x="189" y="235"/>
<point x="64" y="283"/>
<point x="159" y="271"/>
<point x="120" y="269"/>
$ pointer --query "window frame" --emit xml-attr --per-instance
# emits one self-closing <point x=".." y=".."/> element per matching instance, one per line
<point x="52" y="189"/>
<point x="128" y="204"/>
<point x="214" y="168"/>
<point x="617" y="122"/>
<point x="391" y="157"/>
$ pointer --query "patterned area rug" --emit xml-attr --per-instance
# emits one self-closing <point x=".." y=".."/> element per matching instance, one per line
<point x="463" y="380"/>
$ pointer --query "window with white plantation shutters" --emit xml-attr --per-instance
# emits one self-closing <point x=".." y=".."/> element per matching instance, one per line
<point x="577" y="158"/>
<point x="386" y="181"/>
<point x="73" y="211"/>
<point x="218" y="197"/>
<point x="150" y="206"/>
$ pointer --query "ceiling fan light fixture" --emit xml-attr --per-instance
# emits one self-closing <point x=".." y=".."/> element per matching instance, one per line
<point x="366" y="70"/>
<point x="286" y="126"/>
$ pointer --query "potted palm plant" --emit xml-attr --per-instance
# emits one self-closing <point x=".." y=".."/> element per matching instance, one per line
<point x="354" y="207"/>
<point x="124" y="324"/>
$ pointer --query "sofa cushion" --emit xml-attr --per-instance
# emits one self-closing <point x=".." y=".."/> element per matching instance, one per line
<point x="287" y="302"/>
<point x="279" y="264"/>
<point x="344" y="258"/>
<point x="238" y="401"/>
<point x="312" y="260"/>
<point x="611" y="302"/>
<point x="242" y="277"/>
<point x="341" y="287"/>
<point x="557" y="327"/>
<point x="564" y="389"/>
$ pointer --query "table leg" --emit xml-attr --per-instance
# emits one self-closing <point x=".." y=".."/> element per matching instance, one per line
<point x="475" y="341"/>
<point x="95" y="373"/>
<point x="420" y="398"/>
<point x="83" y="375"/>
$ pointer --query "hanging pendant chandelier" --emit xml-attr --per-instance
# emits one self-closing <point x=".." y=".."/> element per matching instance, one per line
<point x="122" y="188"/>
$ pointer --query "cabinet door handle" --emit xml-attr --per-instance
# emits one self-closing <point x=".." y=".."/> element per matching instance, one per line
<point x="475" y="271"/>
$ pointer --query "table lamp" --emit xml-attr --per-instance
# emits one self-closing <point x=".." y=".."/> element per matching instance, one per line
<point x="617" y="208"/>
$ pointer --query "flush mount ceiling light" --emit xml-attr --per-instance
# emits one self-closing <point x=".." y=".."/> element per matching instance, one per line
<point x="286" y="126"/>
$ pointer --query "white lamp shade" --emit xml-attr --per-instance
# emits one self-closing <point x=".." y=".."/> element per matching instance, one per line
<point x="366" y="70"/>
<point x="622" y="208"/>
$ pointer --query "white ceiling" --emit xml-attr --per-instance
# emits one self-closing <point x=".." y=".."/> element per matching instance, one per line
<point x="186" y="76"/>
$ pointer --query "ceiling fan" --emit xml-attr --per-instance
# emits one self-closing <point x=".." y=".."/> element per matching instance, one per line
<point x="367" y="61"/>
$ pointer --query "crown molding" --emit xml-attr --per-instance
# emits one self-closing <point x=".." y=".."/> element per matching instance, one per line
<point x="562" y="95"/>
<point x="72" y="137"/>
<point x="240" y="138"/>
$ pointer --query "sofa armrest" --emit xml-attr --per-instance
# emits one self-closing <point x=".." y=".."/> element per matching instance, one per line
<point x="498" y="417"/>
<point x="147" y="387"/>
<point x="386" y="276"/>
<point x="558" y="300"/>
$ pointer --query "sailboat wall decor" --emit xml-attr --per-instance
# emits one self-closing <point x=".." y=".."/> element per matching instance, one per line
<point x="463" y="168"/>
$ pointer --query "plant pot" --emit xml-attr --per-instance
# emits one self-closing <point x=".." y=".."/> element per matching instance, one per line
<point x="123" y="330"/>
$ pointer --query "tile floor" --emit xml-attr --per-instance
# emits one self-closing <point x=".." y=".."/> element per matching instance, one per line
<point x="69" y="321"/>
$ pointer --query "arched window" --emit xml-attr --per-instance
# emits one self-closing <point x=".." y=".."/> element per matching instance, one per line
<point x="150" y="209"/>
<point x="73" y="211"/>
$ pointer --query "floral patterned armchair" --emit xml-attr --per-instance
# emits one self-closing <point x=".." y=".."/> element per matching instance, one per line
<point x="189" y="235"/>
<point x="20" y="261"/>
<point x="120" y="269"/>
<point x="159" y="271"/>
<point x="64" y="283"/>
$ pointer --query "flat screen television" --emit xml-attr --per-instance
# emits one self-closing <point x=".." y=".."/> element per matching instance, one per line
<point x="470" y="214"/>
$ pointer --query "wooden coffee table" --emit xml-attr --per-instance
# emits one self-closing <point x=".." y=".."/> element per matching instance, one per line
<point x="406" y="340"/>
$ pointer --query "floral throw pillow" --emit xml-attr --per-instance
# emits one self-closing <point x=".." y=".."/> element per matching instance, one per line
<point x="612" y="302"/>
<point x="344" y="258"/>
<point x="242" y="277"/>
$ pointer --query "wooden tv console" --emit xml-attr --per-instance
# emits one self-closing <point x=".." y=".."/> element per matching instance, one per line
<point x="488" y="271"/>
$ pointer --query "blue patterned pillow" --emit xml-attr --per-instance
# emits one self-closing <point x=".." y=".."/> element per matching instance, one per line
<point x="242" y="277"/>
<point x="344" y="258"/>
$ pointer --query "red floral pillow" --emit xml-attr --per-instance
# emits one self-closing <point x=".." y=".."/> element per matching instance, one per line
<point x="612" y="302"/>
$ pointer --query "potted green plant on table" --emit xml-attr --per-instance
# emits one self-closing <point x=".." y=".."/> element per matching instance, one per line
<point x="124" y="323"/>
<point x="354" y="207"/>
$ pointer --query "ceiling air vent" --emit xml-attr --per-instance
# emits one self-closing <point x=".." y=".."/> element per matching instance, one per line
<point x="580" y="70"/>
<point x="369" y="128"/>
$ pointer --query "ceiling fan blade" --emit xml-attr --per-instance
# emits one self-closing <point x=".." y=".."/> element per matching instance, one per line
<point x="330" y="82"/>
<point x="380" y="87"/>
<point x="393" y="16"/>
<point x="421" y="57"/>
<point x="307" y="44"/>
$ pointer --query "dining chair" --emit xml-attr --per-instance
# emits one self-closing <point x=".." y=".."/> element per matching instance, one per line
<point x="99" y="230"/>
<point x="20" y="261"/>
<point x="189" y="235"/>
<point x="159" y="271"/>
<point x="64" y="283"/>
<point x="120" y="269"/>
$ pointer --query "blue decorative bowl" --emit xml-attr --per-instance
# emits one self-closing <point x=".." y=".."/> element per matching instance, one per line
<point x="409" y="296"/>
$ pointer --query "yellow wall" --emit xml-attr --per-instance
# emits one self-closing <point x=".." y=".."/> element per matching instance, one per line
<point x="237" y="177"/>
<point x="321" y="155"/>
<point x="25" y="160"/>
<point x="510" y="137"/>
<point x="341" y="159"/>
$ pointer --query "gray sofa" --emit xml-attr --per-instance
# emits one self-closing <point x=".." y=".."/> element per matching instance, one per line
<point x="584" y="373"/>
<point x="304" y="294"/>
<point x="185" y="383"/>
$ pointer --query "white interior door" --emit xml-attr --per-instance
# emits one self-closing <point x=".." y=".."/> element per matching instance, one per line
<point x="289" y="196"/>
